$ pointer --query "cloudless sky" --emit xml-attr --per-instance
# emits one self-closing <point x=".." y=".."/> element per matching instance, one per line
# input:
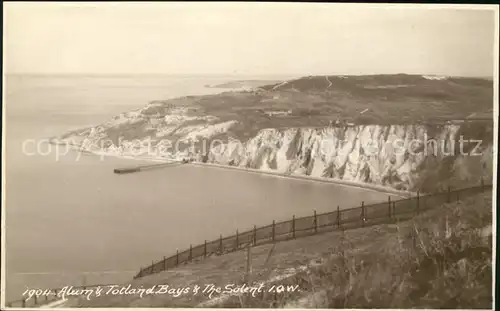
<point x="246" y="38"/>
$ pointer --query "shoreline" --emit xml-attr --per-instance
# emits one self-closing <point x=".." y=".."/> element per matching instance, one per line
<point x="364" y="186"/>
<point x="351" y="184"/>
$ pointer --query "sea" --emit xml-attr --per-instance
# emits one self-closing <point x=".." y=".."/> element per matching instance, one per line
<point x="69" y="220"/>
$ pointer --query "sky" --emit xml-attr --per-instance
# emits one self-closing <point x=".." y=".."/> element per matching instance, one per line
<point x="247" y="38"/>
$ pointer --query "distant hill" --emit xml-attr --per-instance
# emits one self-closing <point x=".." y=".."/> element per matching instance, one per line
<point x="242" y="84"/>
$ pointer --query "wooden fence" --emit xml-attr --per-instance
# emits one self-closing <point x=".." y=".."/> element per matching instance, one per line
<point x="364" y="215"/>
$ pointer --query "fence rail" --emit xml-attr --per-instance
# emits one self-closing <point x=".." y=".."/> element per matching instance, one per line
<point x="364" y="215"/>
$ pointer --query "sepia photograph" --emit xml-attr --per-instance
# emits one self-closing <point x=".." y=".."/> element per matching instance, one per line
<point x="249" y="155"/>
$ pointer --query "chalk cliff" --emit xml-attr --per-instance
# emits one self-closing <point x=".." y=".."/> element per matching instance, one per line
<point x="403" y="157"/>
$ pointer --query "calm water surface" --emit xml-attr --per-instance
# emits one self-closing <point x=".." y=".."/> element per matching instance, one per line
<point x="72" y="220"/>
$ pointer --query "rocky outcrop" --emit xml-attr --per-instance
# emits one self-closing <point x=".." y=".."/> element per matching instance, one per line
<point x="390" y="130"/>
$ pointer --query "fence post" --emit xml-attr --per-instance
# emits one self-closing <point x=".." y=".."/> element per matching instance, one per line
<point x="220" y="244"/>
<point x="23" y="303"/>
<point x="394" y="208"/>
<point x="293" y="226"/>
<point x="363" y="213"/>
<point x="36" y="299"/>
<point x="190" y="252"/>
<point x="338" y="216"/>
<point x="177" y="258"/>
<point x="274" y="230"/>
<point x="389" y="207"/>
<point x="237" y="240"/>
<point x="249" y="265"/>
<point x="482" y="182"/>
<point x="315" y="223"/>
<point x="164" y="263"/>
<point x="205" y="250"/>
<point x="418" y="202"/>
<point x="449" y="194"/>
<point x="254" y="235"/>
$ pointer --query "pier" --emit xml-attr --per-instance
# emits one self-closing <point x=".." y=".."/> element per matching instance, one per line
<point x="140" y="168"/>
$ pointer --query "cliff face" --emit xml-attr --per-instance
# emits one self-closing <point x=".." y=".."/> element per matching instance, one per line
<point x="404" y="157"/>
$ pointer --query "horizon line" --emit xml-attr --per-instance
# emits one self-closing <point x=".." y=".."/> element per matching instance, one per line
<point x="300" y="75"/>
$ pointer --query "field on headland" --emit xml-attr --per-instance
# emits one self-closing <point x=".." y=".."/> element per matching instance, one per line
<point x="440" y="259"/>
<point x="317" y="100"/>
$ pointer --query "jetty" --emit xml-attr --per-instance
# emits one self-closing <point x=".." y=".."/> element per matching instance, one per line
<point x="126" y="170"/>
<point x="140" y="168"/>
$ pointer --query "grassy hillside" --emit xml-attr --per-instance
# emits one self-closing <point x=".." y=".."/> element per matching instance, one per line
<point x="315" y="101"/>
<point x="440" y="259"/>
